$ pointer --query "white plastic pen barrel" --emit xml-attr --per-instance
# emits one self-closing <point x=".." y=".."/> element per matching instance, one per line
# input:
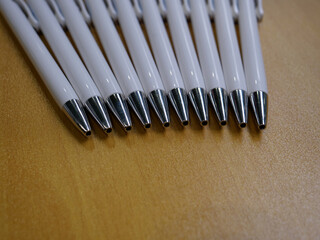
<point x="187" y="58"/>
<point x="95" y="61"/>
<point x="89" y="50"/>
<point x="206" y="46"/>
<point x="161" y="47"/>
<point x="143" y="60"/>
<point x="253" y="61"/>
<point x="138" y="47"/>
<point x="231" y="60"/>
<point x="209" y="59"/>
<point x="46" y="66"/>
<point x="71" y="63"/>
<point x="64" y="51"/>
<point x="119" y="60"/>
<point x="165" y="58"/>
<point x="113" y="46"/>
<point x="229" y="47"/>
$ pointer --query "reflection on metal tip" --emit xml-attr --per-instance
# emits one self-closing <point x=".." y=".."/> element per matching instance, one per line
<point x="158" y="100"/>
<point x="239" y="102"/>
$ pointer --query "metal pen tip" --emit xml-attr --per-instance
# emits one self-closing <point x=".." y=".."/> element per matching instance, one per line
<point x="120" y="109"/>
<point x="199" y="102"/>
<point x="239" y="102"/>
<point x="139" y="105"/>
<point x="259" y="103"/>
<point x="158" y="100"/>
<point x="75" y="112"/>
<point x="99" y="112"/>
<point x="219" y="100"/>
<point x="179" y="101"/>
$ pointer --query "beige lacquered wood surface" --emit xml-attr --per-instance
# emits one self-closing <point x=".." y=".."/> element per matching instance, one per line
<point x="177" y="183"/>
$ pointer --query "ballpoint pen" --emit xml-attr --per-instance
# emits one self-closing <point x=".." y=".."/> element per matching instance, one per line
<point x="253" y="61"/>
<point x="46" y="66"/>
<point x="165" y="59"/>
<point x="119" y="60"/>
<point x="187" y="59"/>
<point x="209" y="59"/>
<point x="71" y="63"/>
<point x="95" y="62"/>
<point x="231" y="61"/>
<point x="143" y="60"/>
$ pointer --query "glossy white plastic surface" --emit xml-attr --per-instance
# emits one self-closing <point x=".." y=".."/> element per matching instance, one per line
<point x="138" y="47"/>
<point x="39" y="55"/>
<point x="64" y="51"/>
<point x="89" y="50"/>
<point x="251" y="49"/>
<point x="183" y="45"/>
<point x="206" y="46"/>
<point x="229" y="48"/>
<point x="161" y="47"/>
<point x="113" y="46"/>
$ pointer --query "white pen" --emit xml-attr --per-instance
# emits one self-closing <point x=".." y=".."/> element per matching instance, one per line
<point x="209" y="59"/>
<point x="187" y="58"/>
<point x="143" y="60"/>
<point x="46" y="66"/>
<point x="71" y="63"/>
<point x="253" y="61"/>
<point x="231" y="61"/>
<point x="95" y="62"/>
<point x="165" y="59"/>
<point x="119" y="60"/>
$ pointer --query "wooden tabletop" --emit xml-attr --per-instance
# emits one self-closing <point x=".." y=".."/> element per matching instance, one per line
<point x="177" y="183"/>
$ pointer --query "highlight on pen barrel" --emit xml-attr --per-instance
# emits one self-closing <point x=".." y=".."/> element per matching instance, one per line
<point x="253" y="61"/>
<point x="143" y="60"/>
<point x="165" y="60"/>
<point x="46" y="66"/>
<point x="187" y="59"/>
<point x="209" y="59"/>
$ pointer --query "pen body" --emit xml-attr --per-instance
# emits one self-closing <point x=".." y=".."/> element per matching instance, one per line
<point x="183" y="45"/>
<point x="42" y="60"/>
<point x="206" y="46"/>
<point x="138" y="47"/>
<point x="229" y="48"/>
<point x="113" y="46"/>
<point x="89" y="50"/>
<point x="251" y="49"/>
<point x="64" y="51"/>
<point x="161" y="47"/>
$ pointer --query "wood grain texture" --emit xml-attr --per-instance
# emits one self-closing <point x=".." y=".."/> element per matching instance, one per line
<point x="177" y="183"/>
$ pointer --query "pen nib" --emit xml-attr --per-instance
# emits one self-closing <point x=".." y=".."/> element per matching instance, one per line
<point x="259" y="103"/>
<point x="139" y="105"/>
<point x="219" y="100"/>
<point x="120" y="109"/>
<point x="199" y="102"/>
<point x="99" y="112"/>
<point x="158" y="100"/>
<point x="179" y="102"/>
<point x="75" y="112"/>
<point x="239" y="102"/>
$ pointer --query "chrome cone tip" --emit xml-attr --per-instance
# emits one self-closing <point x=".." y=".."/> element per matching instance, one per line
<point x="199" y="102"/>
<point x="239" y="102"/>
<point x="179" y="101"/>
<point x="120" y="109"/>
<point x="99" y="112"/>
<point x="139" y="105"/>
<point x="219" y="100"/>
<point x="259" y="103"/>
<point x="158" y="100"/>
<point x="75" y="112"/>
